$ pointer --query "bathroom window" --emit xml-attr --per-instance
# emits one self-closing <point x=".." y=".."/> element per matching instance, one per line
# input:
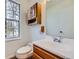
<point x="12" y="19"/>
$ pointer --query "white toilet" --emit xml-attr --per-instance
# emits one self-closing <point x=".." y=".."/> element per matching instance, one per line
<point x="24" y="52"/>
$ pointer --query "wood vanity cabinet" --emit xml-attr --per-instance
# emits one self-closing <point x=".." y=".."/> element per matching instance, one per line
<point x="36" y="56"/>
<point x="39" y="53"/>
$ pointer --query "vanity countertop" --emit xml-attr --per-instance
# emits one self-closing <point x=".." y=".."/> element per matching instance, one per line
<point x="64" y="49"/>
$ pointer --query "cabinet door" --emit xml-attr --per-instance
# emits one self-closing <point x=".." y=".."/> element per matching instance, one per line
<point x="38" y="13"/>
<point x="35" y="56"/>
<point x="44" y="54"/>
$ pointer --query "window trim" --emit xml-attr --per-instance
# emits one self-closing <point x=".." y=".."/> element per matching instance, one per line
<point x="18" y="37"/>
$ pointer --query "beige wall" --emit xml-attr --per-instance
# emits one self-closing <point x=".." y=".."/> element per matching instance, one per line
<point x="12" y="46"/>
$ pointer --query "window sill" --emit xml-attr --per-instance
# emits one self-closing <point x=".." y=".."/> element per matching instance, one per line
<point x="12" y="39"/>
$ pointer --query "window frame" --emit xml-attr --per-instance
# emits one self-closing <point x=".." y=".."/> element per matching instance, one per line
<point x="13" y="20"/>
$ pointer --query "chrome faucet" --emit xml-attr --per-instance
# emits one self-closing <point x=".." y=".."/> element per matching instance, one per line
<point x="58" y="39"/>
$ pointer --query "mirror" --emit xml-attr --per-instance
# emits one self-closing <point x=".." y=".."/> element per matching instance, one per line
<point x="60" y="18"/>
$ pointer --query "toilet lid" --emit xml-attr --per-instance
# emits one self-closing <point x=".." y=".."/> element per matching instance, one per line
<point x="25" y="49"/>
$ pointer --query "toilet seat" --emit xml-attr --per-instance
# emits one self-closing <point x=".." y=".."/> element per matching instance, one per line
<point x="24" y="52"/>
<point x="25" y="49"/>
<point x="24" y="56"/>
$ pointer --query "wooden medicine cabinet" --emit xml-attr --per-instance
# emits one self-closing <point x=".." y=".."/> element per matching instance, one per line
<point x="34" y="14"/>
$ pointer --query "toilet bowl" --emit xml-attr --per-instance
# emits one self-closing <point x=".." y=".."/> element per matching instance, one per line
<point x="24" y="52"/>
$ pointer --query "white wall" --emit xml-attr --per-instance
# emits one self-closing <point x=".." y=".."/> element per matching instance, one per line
<point x="34" y="31"/>
<point x="60" y="16"/>
<point x="28" y="33"/>
<point x="12" y="46"/>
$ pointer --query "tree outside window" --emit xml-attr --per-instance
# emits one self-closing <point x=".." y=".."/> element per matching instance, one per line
<point x="12" y="19"/>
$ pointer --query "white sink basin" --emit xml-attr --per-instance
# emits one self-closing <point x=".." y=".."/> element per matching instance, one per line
<point x="64" y="49"/>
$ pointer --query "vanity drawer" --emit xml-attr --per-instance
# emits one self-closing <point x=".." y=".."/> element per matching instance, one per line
<point x="35" y="56"/>
<point x="44" y="54"/>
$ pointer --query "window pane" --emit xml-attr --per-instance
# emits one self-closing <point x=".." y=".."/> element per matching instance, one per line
<point x="16" y="29"/>
<point x="12" y="10"/>
<point x="16" y="17"/>
<point x="12" y="19"/>
<point x="16" y="12"/>
<point x="9" y="29"/>
<point x="9" y="5"/>
<point x="9" y="15"/>
<point x="9" y="10"/>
